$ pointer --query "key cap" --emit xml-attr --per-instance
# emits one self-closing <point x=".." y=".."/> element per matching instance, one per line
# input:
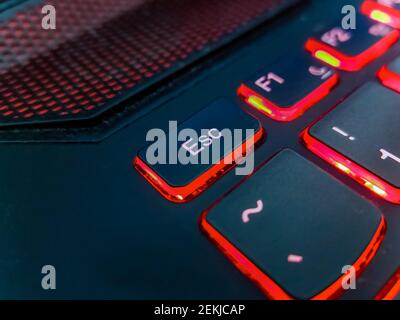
<point x="390" y="75"/>
<point x="307" y="80"/>
<point x="351" y="50"/>
<point x="384" y="11"/>
<point x="220" y="135"/>
<point x="391" y="291"/>
<point x="361" y="138"/>
<point x="296" y="230"/>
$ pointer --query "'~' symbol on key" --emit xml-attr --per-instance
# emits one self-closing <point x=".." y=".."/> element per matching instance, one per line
<point x="246" y="213"/>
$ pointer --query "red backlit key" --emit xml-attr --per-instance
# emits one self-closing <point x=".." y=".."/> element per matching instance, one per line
<point x="198" y="151"/>
<point x="390" y="75"/>
<point x="384" y="11"/>
<point x="391" y="291"/>
<point x="351" y="50"/>
<point x="361" y="138"/>
<point x="306" y="79"/>
<point x="296" y="229"/>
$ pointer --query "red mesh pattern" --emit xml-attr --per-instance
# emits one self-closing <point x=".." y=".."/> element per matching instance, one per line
<point x="24" y="37"/>
<point x="102" y="49"/>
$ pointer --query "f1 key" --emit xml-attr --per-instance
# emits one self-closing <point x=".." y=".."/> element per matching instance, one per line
<point x="306" y="80"/>
<point x="297" y="229"/>
<point x="351" y="50"/>
<point x="361" y="138"/>
<point x="199" y="151"/>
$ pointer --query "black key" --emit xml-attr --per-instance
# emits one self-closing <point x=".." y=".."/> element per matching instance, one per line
<point x="351" y="50"/>
<point x="384" y="11"/>
<point x="390" y="75"/>
<point x="361" y="137"/>
<point x="296" y="230"/>
<point x="307" y="80"/>
<point x="391" y="290"/>
<point x="221" y="133"/>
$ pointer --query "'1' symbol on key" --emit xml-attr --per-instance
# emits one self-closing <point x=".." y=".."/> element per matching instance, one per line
<point x="387" y="154"/>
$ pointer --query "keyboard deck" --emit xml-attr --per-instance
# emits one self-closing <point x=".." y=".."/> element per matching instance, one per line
<point x="83" y="207"/>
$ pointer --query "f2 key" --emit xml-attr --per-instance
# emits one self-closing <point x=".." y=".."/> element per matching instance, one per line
<point x="307" y="81"/>
<point x="351" y="50"/>
<point x="384" y="11"/>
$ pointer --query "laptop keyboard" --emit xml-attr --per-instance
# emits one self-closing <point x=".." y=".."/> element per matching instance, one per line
<point x="295" y="249"/>
<point x="320" y="119"/>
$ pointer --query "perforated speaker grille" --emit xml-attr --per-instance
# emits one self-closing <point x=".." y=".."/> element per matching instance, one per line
<point x="103" y="50"/>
